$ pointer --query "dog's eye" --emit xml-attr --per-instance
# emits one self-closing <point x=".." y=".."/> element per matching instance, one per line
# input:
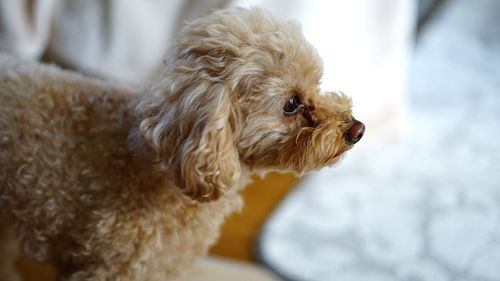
<point x="292" y="106"/>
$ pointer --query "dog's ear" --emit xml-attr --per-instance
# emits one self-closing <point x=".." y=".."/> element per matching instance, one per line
<point x="191" y="123"/>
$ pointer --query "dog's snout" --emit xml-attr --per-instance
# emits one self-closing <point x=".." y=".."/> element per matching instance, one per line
<point x="355" y="132"/>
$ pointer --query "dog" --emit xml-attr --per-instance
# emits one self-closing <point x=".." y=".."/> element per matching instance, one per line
<point x="109" y="182"/>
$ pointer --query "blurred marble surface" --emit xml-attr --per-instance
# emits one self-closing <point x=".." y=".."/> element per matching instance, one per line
<point x="426" y="208"/>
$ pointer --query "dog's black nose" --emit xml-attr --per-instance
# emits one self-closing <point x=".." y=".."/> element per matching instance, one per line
<point x="355" y="132"/>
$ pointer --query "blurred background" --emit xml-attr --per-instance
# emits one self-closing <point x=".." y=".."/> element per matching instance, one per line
<point x="418" y="199"/>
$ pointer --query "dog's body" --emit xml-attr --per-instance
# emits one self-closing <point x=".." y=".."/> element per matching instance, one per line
<point x="113" y="184"/>
<point x="74" y="190"/>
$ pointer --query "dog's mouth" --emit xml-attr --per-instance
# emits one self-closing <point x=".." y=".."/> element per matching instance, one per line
<point x="338" y="154"/>
<point x="342" y="150"/>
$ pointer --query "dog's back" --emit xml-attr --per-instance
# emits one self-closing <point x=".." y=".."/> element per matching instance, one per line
<point x="74" y="190"/>
<point x="60" y="134"/>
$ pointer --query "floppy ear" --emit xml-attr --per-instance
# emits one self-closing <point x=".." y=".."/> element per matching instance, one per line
<point x="190" y="122"/>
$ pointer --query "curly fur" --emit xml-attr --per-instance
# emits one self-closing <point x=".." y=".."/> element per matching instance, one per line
<point x="111" y="183"/>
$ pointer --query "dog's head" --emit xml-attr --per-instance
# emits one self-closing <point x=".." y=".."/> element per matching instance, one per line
<point x="241" y="88"/>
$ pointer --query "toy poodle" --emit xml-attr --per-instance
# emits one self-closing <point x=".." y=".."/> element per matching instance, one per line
<point x="109" y="182"/>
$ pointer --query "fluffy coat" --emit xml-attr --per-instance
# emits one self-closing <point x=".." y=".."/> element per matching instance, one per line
<point x="115" y="183"/>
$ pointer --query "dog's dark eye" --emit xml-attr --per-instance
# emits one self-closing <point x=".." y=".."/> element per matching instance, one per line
<point x="292" y="106"/>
